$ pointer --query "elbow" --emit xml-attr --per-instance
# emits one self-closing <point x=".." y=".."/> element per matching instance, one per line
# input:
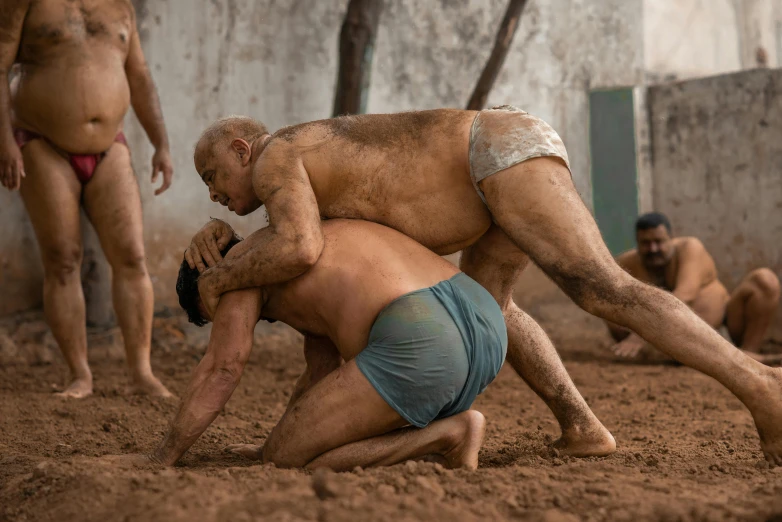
<point x="228" y="374"/>
<point x="308" y="252"/>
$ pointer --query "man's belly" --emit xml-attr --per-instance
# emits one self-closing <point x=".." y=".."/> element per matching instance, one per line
<point x="78" y="107"/>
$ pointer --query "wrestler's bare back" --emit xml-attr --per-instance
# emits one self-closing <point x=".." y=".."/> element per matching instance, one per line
<point x="364" y="266"/>
<point x="409" y="171"/>
<point x="81" y="47"/>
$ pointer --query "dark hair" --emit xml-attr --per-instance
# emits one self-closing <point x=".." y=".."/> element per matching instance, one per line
<point x="187" y="288"/>
<point x="652" y="220"/>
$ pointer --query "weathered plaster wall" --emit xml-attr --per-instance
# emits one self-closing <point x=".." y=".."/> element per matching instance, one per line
<point x="717" y="167"/>
<point x="277" y="61"/>
<point x="692" y="38"/>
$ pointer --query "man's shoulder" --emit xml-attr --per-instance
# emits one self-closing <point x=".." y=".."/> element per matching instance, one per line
<point x="690" y="245"/>
<point x="628" y="258"/>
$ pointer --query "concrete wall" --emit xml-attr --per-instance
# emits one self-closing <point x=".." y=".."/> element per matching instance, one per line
<point x="692" y="38"/>
<point x="277" y="61"/>
<point x="717" y="167"/>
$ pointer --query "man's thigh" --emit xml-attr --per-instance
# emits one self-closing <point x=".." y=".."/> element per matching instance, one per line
<point x="537" y="206"/>
<point x="342" y="408"/>
<point x="735" y="311"/>
<point x="113" y="204"/>
<point x="496" y="263"/>
<point x="711" y="304"/>
<point x="51" y="194"/>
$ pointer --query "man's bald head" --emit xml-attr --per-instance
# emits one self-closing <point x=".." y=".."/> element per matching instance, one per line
<point x="218" y="136"/>
<point x="224" y="160"/>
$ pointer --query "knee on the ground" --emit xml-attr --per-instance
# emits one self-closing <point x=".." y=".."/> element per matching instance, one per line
<point x="766" y="283"/>
<point x="281" y="457"/>
<point x="63" y="263"/>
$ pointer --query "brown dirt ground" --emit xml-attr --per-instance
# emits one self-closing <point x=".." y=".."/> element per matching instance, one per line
<point x="687" y="448"/>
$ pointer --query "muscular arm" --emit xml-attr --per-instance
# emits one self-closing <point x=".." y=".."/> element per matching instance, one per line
<point x="146" y="104"/>
<point x="12" y="14"/>
<point x="289" y="246"/>
<point x="143" y="95"/>
<point x="216" y="376"/>
<point x="693" y="262"/>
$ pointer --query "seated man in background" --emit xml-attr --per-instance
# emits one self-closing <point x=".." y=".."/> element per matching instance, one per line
<point x="421" y="340"/>
<point x="684" y="267"/>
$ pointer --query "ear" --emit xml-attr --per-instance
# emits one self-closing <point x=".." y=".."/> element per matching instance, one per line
<point x="243" y="149"/>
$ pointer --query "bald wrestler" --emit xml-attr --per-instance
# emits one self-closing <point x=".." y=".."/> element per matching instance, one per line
<point x="69" y="70"/>
<point x="684" y="267"/>
<point x="420" y="340"/>
<point x="495" y="184"/>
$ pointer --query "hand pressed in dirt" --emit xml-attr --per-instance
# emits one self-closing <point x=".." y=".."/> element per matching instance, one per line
<point x="131" y="460"/>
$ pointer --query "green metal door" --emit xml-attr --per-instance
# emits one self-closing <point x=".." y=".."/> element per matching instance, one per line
<point x="614" y="168"/>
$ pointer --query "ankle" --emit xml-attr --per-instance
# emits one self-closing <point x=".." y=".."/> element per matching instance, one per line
<point x="82" y="374"/>
<point x="142" y="374"/>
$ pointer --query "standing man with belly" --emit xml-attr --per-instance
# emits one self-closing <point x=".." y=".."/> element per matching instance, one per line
<point x="69" y="69"/>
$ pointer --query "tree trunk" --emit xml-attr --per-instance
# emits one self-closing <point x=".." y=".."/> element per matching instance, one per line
<point x="95" y="279"/>
<point x="356" y="44"/>
<point x="497" y="57"/>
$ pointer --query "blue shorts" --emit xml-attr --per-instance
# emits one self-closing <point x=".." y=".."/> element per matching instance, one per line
<point x="432" y="351"/>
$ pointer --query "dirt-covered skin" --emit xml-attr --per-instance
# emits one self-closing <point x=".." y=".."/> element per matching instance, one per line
<point x="687" y="449"/>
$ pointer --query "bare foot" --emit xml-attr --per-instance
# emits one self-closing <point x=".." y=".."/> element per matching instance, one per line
<point x="249" y="451"/>
<point x="78" y="389"/>
<point x="149" y="385"/>
<point x="629" y="349"/>
<point x="468" y="440"/>
<point x="766" y="410"/>
<point x="593" y="441"/>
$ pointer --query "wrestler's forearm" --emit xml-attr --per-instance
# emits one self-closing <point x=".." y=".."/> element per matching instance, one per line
<point x="146" y="105"/>
<point x="6" y="132"/>
<point x="265" y="258"/>
<point x="206" y="396"/>
<point x="216" y="376"/>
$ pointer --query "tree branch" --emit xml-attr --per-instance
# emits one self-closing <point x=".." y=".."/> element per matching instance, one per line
<point x="356" y="45"/>
<point x="497" y="57"/>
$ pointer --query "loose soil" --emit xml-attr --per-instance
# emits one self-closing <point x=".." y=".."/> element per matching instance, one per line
<point x="687" y="448"/>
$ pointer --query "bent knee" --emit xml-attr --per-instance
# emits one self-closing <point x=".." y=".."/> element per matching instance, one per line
<point x="63" y="263"/>
<point x="282" y="458"/>
<point x="767" y="282"/>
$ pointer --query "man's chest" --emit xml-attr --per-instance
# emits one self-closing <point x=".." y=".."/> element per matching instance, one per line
<point x="61" y="22"/>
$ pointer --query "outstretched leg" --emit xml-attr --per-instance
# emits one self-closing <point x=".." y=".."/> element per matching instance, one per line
<point x="536" y="204"/>
<point x="51" y="194"/>
<point x="342" y="422"/>
<point x="496" y="263"/>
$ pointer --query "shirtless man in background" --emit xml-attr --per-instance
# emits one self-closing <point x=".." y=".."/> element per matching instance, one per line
<point x="494" y="183"/>
<point x="684" y="267"/>
<point x="69" y="69"/>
